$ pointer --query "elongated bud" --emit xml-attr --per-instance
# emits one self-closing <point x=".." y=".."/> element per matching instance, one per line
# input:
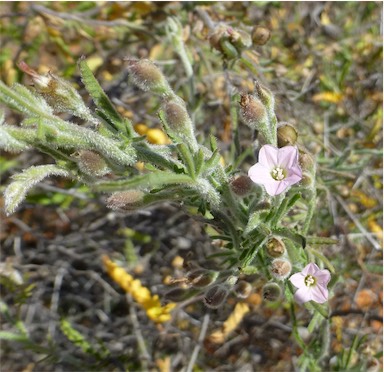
<point x="215" y="296"/>
<point x="241" y="185"/>
<point x="275" y="247"/>
<point x="92" y="163"/>
<point x="125" y="200"/>
<point x="253" y="111"/>
<point x="260" y="35"/>
<point x="147" y="76"/>
<point x="242" y="289"/>
<point x="265" y="96"/>
<point x="201" y="278"/>
<point x="178" y="122"/>
<point x="271" y="292"/>
<point x="178" y="294"/>
<point x="281" y="268"/>
<point x="58" y="93"/>
<point x="286" y="135"/>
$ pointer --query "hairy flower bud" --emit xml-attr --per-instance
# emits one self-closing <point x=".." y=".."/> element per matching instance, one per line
<point x="178" y="122"/>
<point x="241" y="185"/>
<point x="92" y="163"/>
<point x="201" y="278"/>
<point x="147" y="76"/>
<point x="307" y="180"/>
<point x="252" y="111"/>
<point x="265" y="96"/>
<point x="125" y="200"/>
<point x="275" y="247"/>
<point x="286" y="135"/>
<point x="58" y="93"/>
<point x="306" y="160"/>
<point x="178" y="294"/>
<point x="242" y="289"/>
<point x="281" y="268"/>
<point x="260" y="35"/>
<point x="271" y="292"/>
<point x="215" y="296"/>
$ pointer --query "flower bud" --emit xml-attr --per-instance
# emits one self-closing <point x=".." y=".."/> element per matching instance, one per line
<point x="58" y="93"/>
<point x="275" y="247"/>
<point x="281" y="268"/>
<point x="92" y="163"/>
<point x="241" y="185"/>
<point x="239" y="38"/>
<point x="286" y="135"/>
<point x="147" y="76"/>
<point x="307" y="180"/>
<point x="201" y="278"/>
<point x="306" y="160"/>
<point x="260" y="35"/>
<point x="215" y="296"/>
<point x="265" y="96"/>
<point x="178" y="294"/>
<point x="262" y="206"/>
<point x="217" y="35"/>
<point x="179" y="122"/>
<point x="252" y="111"/>
<point x="271" y="292"/>
<point x="125" y="200"/>
<point x="242" y="289"/>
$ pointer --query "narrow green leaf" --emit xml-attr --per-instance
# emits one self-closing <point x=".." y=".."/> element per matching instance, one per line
<point x="15" y="193"/>
<point x="187" y="159"/>
<point x="149" y="180"/>
<point x="101" y="100"/>
<point x="9" y="143"/>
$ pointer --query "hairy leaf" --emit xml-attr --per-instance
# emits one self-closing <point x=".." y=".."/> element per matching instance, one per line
<point x="15" y="193"/>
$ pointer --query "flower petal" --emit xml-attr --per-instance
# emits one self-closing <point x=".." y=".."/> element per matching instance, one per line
<point x="303" y="294"/>
<point x="310" y="269"/>
<point x="323" y="277"/>
<point x="268" y="156"/>
<point x="319" y="294"/>
<point x="297" y="280"/>
<point x="274" y="187"/>
<point x="287" y="157"/>
<point x="260" y="174"/>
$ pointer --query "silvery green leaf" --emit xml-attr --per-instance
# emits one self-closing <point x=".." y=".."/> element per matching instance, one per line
<point x="9" y="143"/>
<point x="15" y="193"/>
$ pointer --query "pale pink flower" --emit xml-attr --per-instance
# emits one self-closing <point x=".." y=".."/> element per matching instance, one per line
<point x="311" y="283"/>
<point x="277" y="169"/>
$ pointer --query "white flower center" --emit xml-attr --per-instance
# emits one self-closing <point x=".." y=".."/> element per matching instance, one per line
<point x="310" y="281"/>
<point x="278" y="173"/>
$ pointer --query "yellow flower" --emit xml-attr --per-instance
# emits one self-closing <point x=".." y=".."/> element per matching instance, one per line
<point x="141" y="294"/>
<point x="154" y="135"/>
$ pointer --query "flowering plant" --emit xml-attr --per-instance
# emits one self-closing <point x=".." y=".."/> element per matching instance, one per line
<point x="262" y="230"/>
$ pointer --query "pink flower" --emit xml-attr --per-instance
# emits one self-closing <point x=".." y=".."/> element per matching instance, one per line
<point x="311" y="283"/>
<point x="277" y="169"/>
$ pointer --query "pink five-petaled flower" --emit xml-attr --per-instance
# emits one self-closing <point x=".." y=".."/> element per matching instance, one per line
<point x="311" y="283"/>
<point x="277" y="169"/>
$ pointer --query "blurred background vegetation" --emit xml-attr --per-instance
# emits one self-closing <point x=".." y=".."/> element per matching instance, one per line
<point x="324" y="64"/>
